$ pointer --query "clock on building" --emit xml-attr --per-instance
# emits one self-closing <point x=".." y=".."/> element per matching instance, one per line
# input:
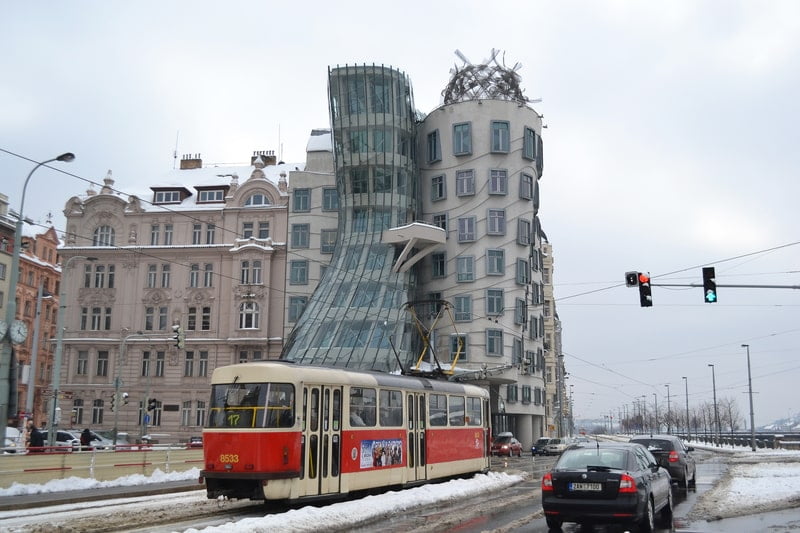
<point x="18" y="331"/>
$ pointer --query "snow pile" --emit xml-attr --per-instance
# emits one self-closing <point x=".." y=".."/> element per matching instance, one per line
<point x="369" y="509"/>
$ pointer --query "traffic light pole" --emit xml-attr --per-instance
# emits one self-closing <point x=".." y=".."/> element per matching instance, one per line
<point x="727" y="285"/>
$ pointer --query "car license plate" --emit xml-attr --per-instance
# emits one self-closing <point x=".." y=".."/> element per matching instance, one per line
<point x="585" y="486"/>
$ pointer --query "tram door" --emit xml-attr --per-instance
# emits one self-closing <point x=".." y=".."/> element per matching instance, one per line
<point x="322" y="428"/>
<point x="415" y="422"/>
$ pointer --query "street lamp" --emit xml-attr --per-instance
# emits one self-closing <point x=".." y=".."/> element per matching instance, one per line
<point x="688" y="422"/>
<point x="62" y="305"/>
<point x="669" y="412"/>
<point x="655" y="400"/>
<point x="750" y="390"/>
<point x="716" y="412"/>
<point x="11" y="304"/>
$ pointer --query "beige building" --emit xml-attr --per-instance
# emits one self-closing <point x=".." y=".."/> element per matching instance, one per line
<point x="555" y="375"/>
<point x="203" y="249"/>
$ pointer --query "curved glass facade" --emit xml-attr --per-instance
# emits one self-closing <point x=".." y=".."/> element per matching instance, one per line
<point x="354" y="318"/>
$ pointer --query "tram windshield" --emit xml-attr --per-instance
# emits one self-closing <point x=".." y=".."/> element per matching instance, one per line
<point x="252" y="405"/>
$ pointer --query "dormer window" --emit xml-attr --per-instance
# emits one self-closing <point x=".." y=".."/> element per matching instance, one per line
<point x="210" y="196"/>
<point x="257" y="199"/>
<point x="167" y="197"/>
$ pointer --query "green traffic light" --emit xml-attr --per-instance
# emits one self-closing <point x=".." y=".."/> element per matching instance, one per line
<point x="711" y="296"/>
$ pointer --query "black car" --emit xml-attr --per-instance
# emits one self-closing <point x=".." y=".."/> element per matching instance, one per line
<point x="673" y="454"/>
<point x="538" y="446"/>
<point x="607" y="483"/>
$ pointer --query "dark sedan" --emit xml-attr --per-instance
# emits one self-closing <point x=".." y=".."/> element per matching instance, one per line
<point x="538" y="447"/>
<point x="672" y="454"/>
<point x="607" y="483"/>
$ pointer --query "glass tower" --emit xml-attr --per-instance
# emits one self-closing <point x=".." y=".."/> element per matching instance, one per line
<point x="355" y="317"/>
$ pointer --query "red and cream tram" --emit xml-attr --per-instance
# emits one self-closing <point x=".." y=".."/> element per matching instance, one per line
<point x="281" y="431"/>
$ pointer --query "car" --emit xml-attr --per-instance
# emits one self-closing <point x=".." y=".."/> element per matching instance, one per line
<point x="13" y="443"/>
<point x="506" y="444"/>
<point x="607" y="483"/>
<point x="557" y="445"/>
<point x="65" y="442"/>
<point x="98" y="442"/>
<point x="673" y="454"/>
<point x="539" y="445"/>
<point x="195" y="442"/>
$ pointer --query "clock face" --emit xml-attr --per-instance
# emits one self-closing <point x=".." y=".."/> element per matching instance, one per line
<point x="19" y="331"/>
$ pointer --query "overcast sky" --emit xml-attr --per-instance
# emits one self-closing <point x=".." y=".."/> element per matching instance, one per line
<point x="671" y="144"/>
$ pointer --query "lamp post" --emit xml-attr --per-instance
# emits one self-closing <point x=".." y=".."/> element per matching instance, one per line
<point x="750" y="391"/>
<point x="34" y="352"/>
<point x="669" y="412"/>
<point x="118" y="379"/>
<point x="716" y="412"/>
<point x="655" y="403"/>
<point x="62" y="305"/>
<point x="11" y="304"/>
<point x="688" y="422"/>
<point x="644" y="411"/>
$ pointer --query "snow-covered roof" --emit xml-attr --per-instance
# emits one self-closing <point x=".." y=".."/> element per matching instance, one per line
<point x="320" y="141"/>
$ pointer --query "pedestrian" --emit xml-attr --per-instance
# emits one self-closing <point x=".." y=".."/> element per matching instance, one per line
<point x="86" y="439"/>
<point x="36" y="442"/>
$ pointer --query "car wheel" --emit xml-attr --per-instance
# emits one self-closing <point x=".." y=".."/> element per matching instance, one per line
<point x="553" y="523"/>
<point x="684" y="483"/>
<point x="666" y="511"/>
<point x="648" y="523"/>
<point x="693" y="481"/>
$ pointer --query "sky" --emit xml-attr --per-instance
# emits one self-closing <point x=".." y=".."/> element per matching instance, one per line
<point x="753" y="487"/>
<point x="669" y="146"/>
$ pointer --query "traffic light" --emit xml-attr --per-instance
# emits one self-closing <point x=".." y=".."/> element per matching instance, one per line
<point x="645" y="294"/>
<point x="180" y="336"/>
<point x="152" y="403"/>
<point x="113" y="402"/>
<point x="631" y="279"/>
<point x="709" y="285"/>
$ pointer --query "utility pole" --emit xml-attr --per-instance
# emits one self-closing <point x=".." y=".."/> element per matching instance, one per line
<point x="688" y="421"/>
<point x="716" y="411"/>
<point x="669" y="412"/>
<point x="750" y="390"/>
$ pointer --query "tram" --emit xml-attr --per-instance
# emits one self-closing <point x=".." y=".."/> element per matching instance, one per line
<point x="278" y="431"/>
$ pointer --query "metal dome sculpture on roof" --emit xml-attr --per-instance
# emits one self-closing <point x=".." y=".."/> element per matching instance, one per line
<point x="488" y="80"/>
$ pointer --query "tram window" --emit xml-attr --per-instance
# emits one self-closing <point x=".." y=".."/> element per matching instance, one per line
<point x="337" y="409"/>
<point x="362" y="406"/>
<point x="314" y="422"/>
<point x="391" y="408"/>
<point x="474" y="412"/>
<point x="438" y="409"/>
<point x="280" y="405"/>
<point x="239" y="405"/>
<point x="456" y="410"/>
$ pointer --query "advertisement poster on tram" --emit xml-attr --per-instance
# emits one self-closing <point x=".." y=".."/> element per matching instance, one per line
<point x="382" y="452"/>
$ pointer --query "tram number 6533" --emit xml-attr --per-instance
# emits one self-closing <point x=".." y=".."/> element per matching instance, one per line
<point x="228" y="458"/>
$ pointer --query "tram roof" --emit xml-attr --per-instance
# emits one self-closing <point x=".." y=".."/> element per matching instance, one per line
<point x="288" y="372"/>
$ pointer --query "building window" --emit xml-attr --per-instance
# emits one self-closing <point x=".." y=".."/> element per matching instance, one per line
<point x="83" y="363"/>
<point x="263" y="230"/>
<point x="330" y="199"/>
<point x="202" y="370"/>
<point x="381" y="219"/>
<point x="494" y="342"/>
<point x="498" y="181"/>
<point x="247" y="230"/>
<point x="500" y="136"/>
<point x="102" y="363"/>
<point x="188" y="364"/>
<point x="210" y="196"/>
<point x="297" y="305"/>
<point x="300" y="235"/>
<point x="438" y="188"/>
<point x="360" y="220"/>
<point x="434" y="147"/>
<point x="298" y="273"/>
<point x="152" y="274"/>
<point x="519" y="311"/>
<point x="302" y="200"/>
<point x="529" y="144"/>
<point x="465" y="182"/>
<point x="165" y="275"/>
<point x="496" y="222"/>
<point x="197" y="233"/>
<point x="186" y="413"/>
<point x="208" y="275"/>
<point x="155" y="318"/>
<point x="103" y="236"/>
<point x="250" y="272"/>
<point x="248" y="315"/>
<point x="523" y="272"/>
<point x="167" y="197"/>
<point x="191" y="319"/>
<point x="466" y="268"/>
<point x="210" y="231"/>
<point x="494" y="301"/>
<point x="466" y="229"/>
<point x="257" y="200"/>
<point x="200" y="414"/>
<point x="439" y="265"/>
<point x="168" y="232"/>
<point x="327" y="240"/>
<point x="462" y="139"/>
<point x="160" y="364"/>
<point x="462" y="308"/>
<point x="523" y="231"/>
<point x="526" y="186"/>
<point x="458" y="347"/>
<point x="145" y="364"/>
<point x="359" y="141"/>
<point x="495" y="262"/>
<point x="155" y="232"/>
<point x="382" y="179"/>
<point x="194" y="275"/>
<point x="97" y="411"/>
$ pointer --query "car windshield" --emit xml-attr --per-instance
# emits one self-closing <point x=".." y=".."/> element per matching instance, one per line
<point x="542" y="441"/>
<point x="503" y="440"/>
<point x="555" y="441"/>
<point x="580" y="459"/>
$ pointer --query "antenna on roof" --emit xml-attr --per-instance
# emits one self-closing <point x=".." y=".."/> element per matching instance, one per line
<point x="175" y="151"/>
<point x="280" y="146"/>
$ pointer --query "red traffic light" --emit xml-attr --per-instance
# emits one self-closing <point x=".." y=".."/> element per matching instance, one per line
<point x="644" y="278"/>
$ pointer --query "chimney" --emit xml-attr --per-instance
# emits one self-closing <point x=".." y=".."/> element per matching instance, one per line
<point x="190" y="161"/>
<point x="263" y="158"/>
